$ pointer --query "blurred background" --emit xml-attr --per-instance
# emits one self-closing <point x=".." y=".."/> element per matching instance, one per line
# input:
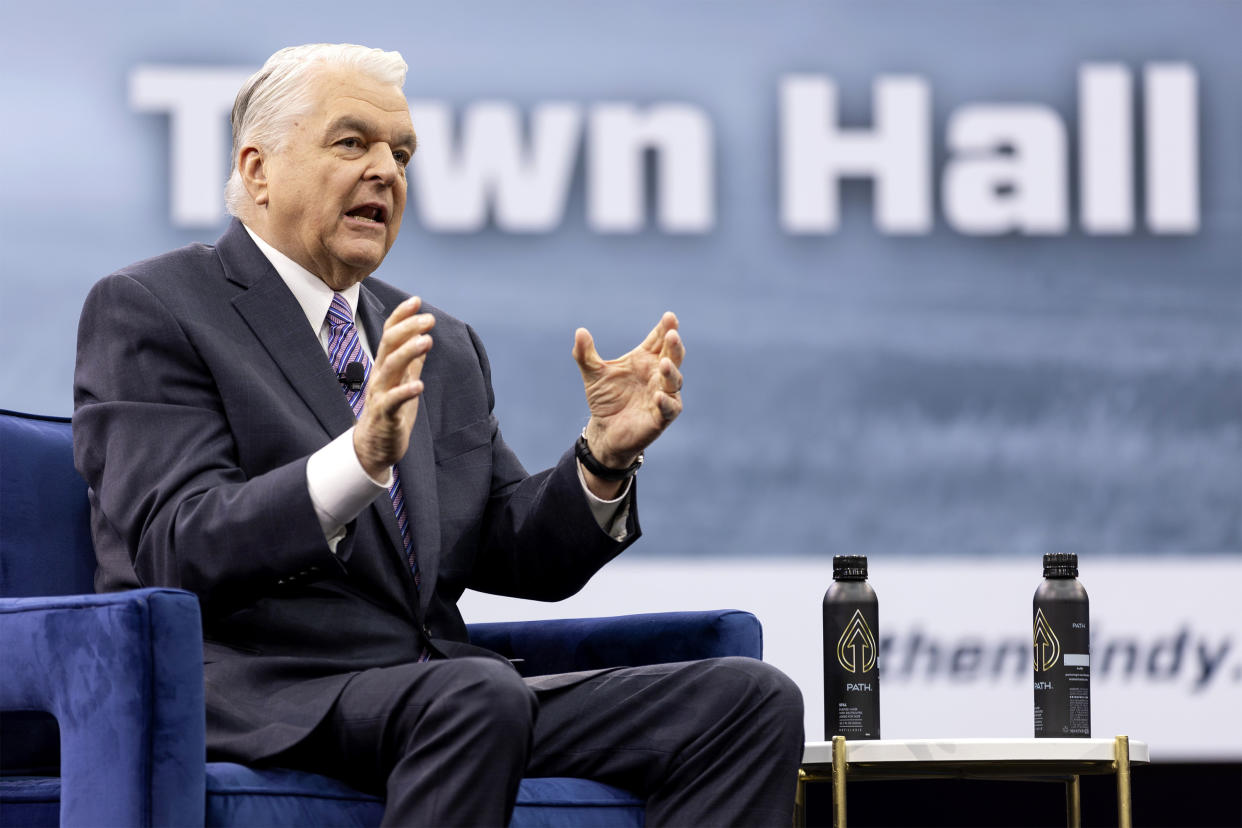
<point x="960" y="282"/>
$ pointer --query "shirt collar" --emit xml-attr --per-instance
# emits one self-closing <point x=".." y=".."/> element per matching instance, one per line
<point x="312" y="293"/>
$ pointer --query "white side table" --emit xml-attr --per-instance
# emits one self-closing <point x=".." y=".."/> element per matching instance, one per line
<point x="1028" y="759"/>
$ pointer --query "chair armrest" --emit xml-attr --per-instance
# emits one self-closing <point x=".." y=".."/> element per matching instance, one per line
<point x="570" y="644"/>
<point x="123" y="675"/>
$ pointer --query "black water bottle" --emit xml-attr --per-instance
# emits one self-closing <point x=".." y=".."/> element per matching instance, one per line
<point x="1062" y="639"/>
<point x="851" y="652"/>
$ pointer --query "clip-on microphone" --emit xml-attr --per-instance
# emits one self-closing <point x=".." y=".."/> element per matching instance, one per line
<point x="353" y="376"/>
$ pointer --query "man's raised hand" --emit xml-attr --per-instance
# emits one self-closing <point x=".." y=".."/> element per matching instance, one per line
<point x="393" y="389"/>
<point x="634" y="398"/>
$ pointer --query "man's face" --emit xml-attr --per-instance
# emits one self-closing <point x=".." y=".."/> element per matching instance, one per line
<point x="336" y="190"/>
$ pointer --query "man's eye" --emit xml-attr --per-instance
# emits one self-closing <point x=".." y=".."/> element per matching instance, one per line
<point x="402" y="158"/>
<point x="350" y="143"/>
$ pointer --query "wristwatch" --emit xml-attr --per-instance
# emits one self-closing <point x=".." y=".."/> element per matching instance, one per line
<point x="599" y="469"/>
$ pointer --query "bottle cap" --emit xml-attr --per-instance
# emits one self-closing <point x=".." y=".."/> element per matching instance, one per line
<point x="849" y="567"/>
<point x="1060" y="565"/>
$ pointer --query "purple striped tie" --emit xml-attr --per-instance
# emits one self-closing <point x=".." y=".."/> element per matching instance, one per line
<point x="344" y="348"/>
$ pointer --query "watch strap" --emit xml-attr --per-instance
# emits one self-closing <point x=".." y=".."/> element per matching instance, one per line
<point x="592" y="464"/>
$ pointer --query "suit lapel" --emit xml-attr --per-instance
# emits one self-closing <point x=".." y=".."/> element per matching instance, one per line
<point x="418" y="477"/>
<point x="278" y="322"/>
<point x="274" y="315"/>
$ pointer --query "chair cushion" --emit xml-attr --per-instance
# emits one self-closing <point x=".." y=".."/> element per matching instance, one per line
<point x="239" y="795"/>
<point x="30" y="801"/>
<point x="556" y="802"/>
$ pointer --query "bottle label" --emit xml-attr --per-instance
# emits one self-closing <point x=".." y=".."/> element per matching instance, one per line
<point x="850" y="720"/>
<point x="856" y="649"/>
<point x="1047" y="645"/>
<point x="851" y="666"/>
<point x="1062" y="659"/>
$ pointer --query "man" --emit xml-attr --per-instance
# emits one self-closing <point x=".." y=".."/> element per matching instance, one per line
<point x="260" y="426"/>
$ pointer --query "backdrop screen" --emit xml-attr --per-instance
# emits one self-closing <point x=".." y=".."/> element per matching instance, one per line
<point x="961" y="284"/>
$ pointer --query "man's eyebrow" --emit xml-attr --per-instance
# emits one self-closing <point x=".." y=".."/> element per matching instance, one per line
<point x="407" y="140"/>
<point x="352" y="123"/>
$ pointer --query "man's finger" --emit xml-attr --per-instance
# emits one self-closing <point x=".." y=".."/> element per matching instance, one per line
<point x="389" y="402"/>
<point x="668" y="322"/>
<point x="668" y="406"/>
<point x="588" y="359"/>
<point x="674" y="349"/>
<point x="405" y="310"/>
<point x="671" y="378"/>
<point x="401" y="324"/>
<point x="401" y="364"/>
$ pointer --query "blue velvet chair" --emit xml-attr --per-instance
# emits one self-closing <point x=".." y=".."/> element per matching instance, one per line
<point x="101" y="696"/>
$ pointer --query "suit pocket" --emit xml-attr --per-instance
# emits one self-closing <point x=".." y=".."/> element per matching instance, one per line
<point x="461" y="442"/>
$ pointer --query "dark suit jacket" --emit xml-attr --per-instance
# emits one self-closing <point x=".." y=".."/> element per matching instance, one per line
<point x="200" y="392"/>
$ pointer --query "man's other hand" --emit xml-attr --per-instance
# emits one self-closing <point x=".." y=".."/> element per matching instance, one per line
<point x="633" y="398"/>
<point x="393" y="389"/>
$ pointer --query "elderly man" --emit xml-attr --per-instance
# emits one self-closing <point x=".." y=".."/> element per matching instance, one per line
<point x="259" y="425"/>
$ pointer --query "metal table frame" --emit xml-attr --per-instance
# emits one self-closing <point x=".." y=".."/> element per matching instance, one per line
<point x="1045" y="760"/>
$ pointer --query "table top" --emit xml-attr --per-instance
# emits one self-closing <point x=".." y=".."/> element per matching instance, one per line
<point x="960" y="751"/>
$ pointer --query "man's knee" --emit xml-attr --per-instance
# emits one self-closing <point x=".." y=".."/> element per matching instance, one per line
<point x="487" y="690"/>
<point x="768" y="681"/>
<point x="473" y="715"/>
<point x="759" y="686"/>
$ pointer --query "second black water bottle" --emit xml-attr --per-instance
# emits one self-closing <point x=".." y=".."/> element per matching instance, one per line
<point x="1061" y="636"/>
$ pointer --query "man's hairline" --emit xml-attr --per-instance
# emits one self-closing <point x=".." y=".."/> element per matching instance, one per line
<point x="313" y="72"/>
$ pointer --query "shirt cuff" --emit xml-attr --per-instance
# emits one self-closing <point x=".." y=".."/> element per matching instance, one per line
<point x="611" y="515"/>
<point x="339" y="487"/>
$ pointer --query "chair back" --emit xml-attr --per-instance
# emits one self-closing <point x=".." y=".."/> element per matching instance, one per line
<point x="45" y="534"/>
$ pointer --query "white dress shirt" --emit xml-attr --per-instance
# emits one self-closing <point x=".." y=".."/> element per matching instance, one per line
<point x="338" y="485"/>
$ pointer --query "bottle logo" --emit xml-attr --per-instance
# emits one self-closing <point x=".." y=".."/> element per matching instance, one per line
<point x="856" y="649"/>
<point x="1047" y="645"/>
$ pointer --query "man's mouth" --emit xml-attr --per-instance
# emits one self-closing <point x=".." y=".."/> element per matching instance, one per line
<point x="375" y="213"/>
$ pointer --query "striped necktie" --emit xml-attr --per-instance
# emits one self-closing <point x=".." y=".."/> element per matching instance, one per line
<point x="344" y="347"/>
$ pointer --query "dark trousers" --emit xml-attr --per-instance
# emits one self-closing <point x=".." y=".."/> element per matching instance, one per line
<point x="707" y="743"/>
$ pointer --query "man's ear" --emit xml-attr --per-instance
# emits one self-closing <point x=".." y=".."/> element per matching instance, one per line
<point x="250" y="163"/>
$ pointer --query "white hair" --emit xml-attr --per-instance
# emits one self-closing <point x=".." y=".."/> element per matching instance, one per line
<point x="276" y="95"/>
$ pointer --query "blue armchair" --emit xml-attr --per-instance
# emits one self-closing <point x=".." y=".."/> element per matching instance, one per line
<point x="101" y="696"/>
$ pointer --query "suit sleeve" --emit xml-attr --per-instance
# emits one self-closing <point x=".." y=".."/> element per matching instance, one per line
<point x="540" y="539"/>
<point x="153" y="441"/>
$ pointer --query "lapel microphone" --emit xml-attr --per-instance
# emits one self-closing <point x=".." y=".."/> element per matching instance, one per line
<point x="353" y="376"/>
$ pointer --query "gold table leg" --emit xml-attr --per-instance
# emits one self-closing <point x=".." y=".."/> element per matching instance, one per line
<point x="799" y="819"/>
<point x="1073" y="803"/>
<point x="838" y="781"/>
<point x="1121" y="763"/>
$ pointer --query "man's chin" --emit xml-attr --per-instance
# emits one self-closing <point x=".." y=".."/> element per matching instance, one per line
<point x="362" y="258"/>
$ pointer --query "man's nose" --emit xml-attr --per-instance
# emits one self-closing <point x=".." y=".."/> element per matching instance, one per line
<point x="382" y="166"/>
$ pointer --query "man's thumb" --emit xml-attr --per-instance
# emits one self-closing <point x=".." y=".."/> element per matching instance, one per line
<point x="584" y="352"/>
